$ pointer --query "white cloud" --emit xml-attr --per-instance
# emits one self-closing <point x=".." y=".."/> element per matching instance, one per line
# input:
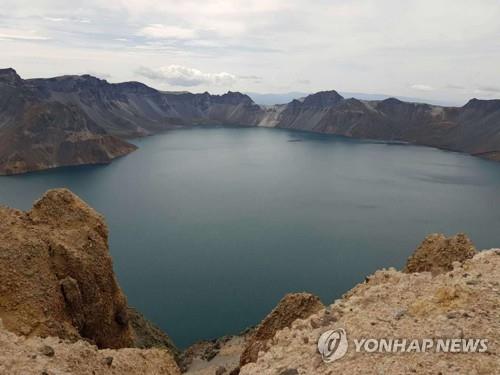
<point x="19" y="35"/>
<point x="158" y="31"/>
<point x="422" y="87"/>
<point x="178" y="75"/>
<point x="55" y="19"/>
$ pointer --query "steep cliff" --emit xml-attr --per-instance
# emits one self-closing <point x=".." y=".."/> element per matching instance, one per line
<point x="473" y="128"/>
<point x="37" y="134"/>
<point x="57" y="276"/>
<point x="132" y="109"/>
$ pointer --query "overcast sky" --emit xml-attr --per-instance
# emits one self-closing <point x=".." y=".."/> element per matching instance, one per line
<point x="436" y="49"/>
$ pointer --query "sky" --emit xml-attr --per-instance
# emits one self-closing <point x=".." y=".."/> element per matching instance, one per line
<point x="436" y="49"/>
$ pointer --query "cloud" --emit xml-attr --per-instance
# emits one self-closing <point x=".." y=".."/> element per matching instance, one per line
<point x="489" y="89"/>
<point x="159" y="31"/>
<point x="455" y="87"/>
<point x="27" y="37"/>
<point x="422" y="87"/>
<point x="251" y="78"/>
<point x="384" y="45"/>
<point x="55" y="19"/>
<point x="179" y="75"/>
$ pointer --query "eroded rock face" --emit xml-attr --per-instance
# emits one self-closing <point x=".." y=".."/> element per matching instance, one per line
<point x="56" y="274"/>
<point x="437" y="253"/>
<point x="37" y="133"/>
<point x="290" y="308"/>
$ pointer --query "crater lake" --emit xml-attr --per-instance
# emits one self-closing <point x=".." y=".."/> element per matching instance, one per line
<point x="211" y="227"/>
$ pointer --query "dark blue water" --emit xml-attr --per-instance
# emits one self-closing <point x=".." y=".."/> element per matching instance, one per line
<point x="211" y="227"/>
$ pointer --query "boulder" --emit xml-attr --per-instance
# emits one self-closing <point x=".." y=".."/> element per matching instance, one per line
<point x="437" y="253"/>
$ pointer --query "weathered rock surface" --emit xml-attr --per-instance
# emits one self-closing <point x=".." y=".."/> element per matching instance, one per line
<point x="58" y="290"/>
<point x="473" y="128"/>
<point x="290" y="308"/>
<point x="461" y="303"/>
<point x="38" y="134"/>
<point x="437" y="253"/>
<point x="56" y="275"/>
<point x="34" y="356"/>
<point x="210" y="357"/>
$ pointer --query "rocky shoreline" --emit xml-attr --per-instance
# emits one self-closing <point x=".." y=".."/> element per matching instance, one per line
<point x="62" y="311"/>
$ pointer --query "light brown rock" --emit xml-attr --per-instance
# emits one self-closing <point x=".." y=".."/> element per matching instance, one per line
<point x="207" y="357"/>
<point x="21" y="356"/>
<point x="393" y="304"/>
<point x="56" y="273"/>
<point x="437" y="253"/>
<point x="290" y="308"/>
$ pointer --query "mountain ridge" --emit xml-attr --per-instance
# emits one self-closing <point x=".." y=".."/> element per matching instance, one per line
<point x="75" y="120"/>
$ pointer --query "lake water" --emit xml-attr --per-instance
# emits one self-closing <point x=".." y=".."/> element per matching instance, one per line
<point x="211" y="227"/>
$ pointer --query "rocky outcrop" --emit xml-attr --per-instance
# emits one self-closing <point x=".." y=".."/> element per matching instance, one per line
<point x="60" y="301"/>
<point x="57" y="275"/>
<point x="459" y="304"/>
<point x="437" y="253"/>
<point x="290" y="308"/>
<point x="34" y="355"/>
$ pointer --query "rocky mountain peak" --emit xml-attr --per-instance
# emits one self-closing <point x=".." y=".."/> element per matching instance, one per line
<point x="483" y="105"/>
<point x="9" y="76"/>
<point x="134" y="87"/>
<point x="391" y="101"/>
<point x="69" y="83"/>
<point x="235" y="97"/>
<point x="323" y="99"/>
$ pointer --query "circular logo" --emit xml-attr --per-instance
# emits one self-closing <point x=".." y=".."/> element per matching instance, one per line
<point x="332" y="344"/>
